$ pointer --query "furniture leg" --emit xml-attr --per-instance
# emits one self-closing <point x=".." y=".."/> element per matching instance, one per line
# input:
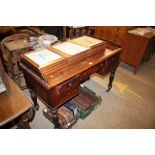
<point x="18" y="74"/>
<point x="135" y="70"/>
<point x="111" y="78"/>
<point x="31" y="114"/>
<point x="55" y="119"/>
<point x="23" y="122"/>
<point x="34" y="99"/>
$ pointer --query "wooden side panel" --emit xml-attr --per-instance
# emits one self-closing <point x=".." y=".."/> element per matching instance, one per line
<point x="134" y="50"/>
<point x="114" y="34"/>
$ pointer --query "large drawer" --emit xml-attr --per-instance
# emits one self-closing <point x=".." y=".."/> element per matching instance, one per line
<point x="68" y="86"/>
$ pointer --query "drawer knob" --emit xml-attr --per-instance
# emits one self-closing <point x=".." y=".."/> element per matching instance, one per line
<point x="70" y="84"/>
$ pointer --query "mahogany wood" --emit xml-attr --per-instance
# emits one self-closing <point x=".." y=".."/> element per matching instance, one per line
<point x="63" y="82"/>
<point x="135" y="48"/>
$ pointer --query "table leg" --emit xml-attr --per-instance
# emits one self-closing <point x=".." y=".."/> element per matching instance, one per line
<point x="55" y="119"/>
<point x="135" y="70"/>
<point x="23" y="122"/>
<point x="34" y="98"/>
<point x="111" y="78"/>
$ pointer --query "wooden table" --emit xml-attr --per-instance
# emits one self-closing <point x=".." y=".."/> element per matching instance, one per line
<point x="61" y="82"/>
<point x="15" y="49"/>
<point x="14" y="105"/>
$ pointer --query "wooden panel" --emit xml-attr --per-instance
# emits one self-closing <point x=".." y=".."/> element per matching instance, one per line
<point x="134" y="50"/>
<point x="115" y="34"/>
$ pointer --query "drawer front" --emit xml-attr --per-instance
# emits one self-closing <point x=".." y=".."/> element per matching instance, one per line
<point x="56" y="100"/>
<point x="68" y="85"/>
<point x="68" y="95"/>
<point x="85" y="75"/>
<point x="101" y="68"/>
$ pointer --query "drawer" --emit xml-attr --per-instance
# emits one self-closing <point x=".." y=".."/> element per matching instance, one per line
<point x="68" y="86"/>
<point x="68" y="95"/>
<point x="101" y="67"/>
<point x="85" y="75"/>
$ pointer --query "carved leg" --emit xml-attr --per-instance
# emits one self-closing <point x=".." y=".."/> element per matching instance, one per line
<point x="23" y="122"/>
<point x="55" y="119"/>
<point x="34" y="98"/>
<point x="111" y="78"/>
<point x="31" y="114"/>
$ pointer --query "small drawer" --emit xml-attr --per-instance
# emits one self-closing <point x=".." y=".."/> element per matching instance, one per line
<point x="85" y="75"/>
<point x="92" y="70"/>
<point x="68" y="85"/>
<point x="68" y="95"/>
<point x="101" y="65"/>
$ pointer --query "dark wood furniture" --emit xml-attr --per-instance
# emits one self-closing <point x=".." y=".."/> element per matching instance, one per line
<point x="137" y="49"/>
<point x="12" y="47"/>
<point x="14" y="105"/>
<point x="58" y="84"/>
<point x="71" y="32"/>
<point x="115" y="34"/>
<point x="5" y="29"/>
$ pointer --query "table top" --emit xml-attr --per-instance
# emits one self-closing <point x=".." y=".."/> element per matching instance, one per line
<point x="13" y="105"/>
<point x="17" y="45"/>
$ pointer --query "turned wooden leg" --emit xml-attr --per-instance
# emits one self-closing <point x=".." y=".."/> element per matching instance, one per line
<point x="55" y="119"/>
<point x="34" y="99"/>
<point x="31" y="114"/>
<point x="111" y="78"/>
<point x="23" y="122"/>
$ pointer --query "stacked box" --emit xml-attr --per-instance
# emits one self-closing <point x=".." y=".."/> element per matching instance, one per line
<point x="65" y="117"/>
<point x="86" y="101"/>
<point x="80" y="106"/>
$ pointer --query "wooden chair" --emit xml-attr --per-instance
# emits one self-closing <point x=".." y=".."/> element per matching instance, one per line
<point x="11" y="55"/>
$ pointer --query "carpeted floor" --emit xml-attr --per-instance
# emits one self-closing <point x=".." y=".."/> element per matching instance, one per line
<point x="129" y="104"/>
